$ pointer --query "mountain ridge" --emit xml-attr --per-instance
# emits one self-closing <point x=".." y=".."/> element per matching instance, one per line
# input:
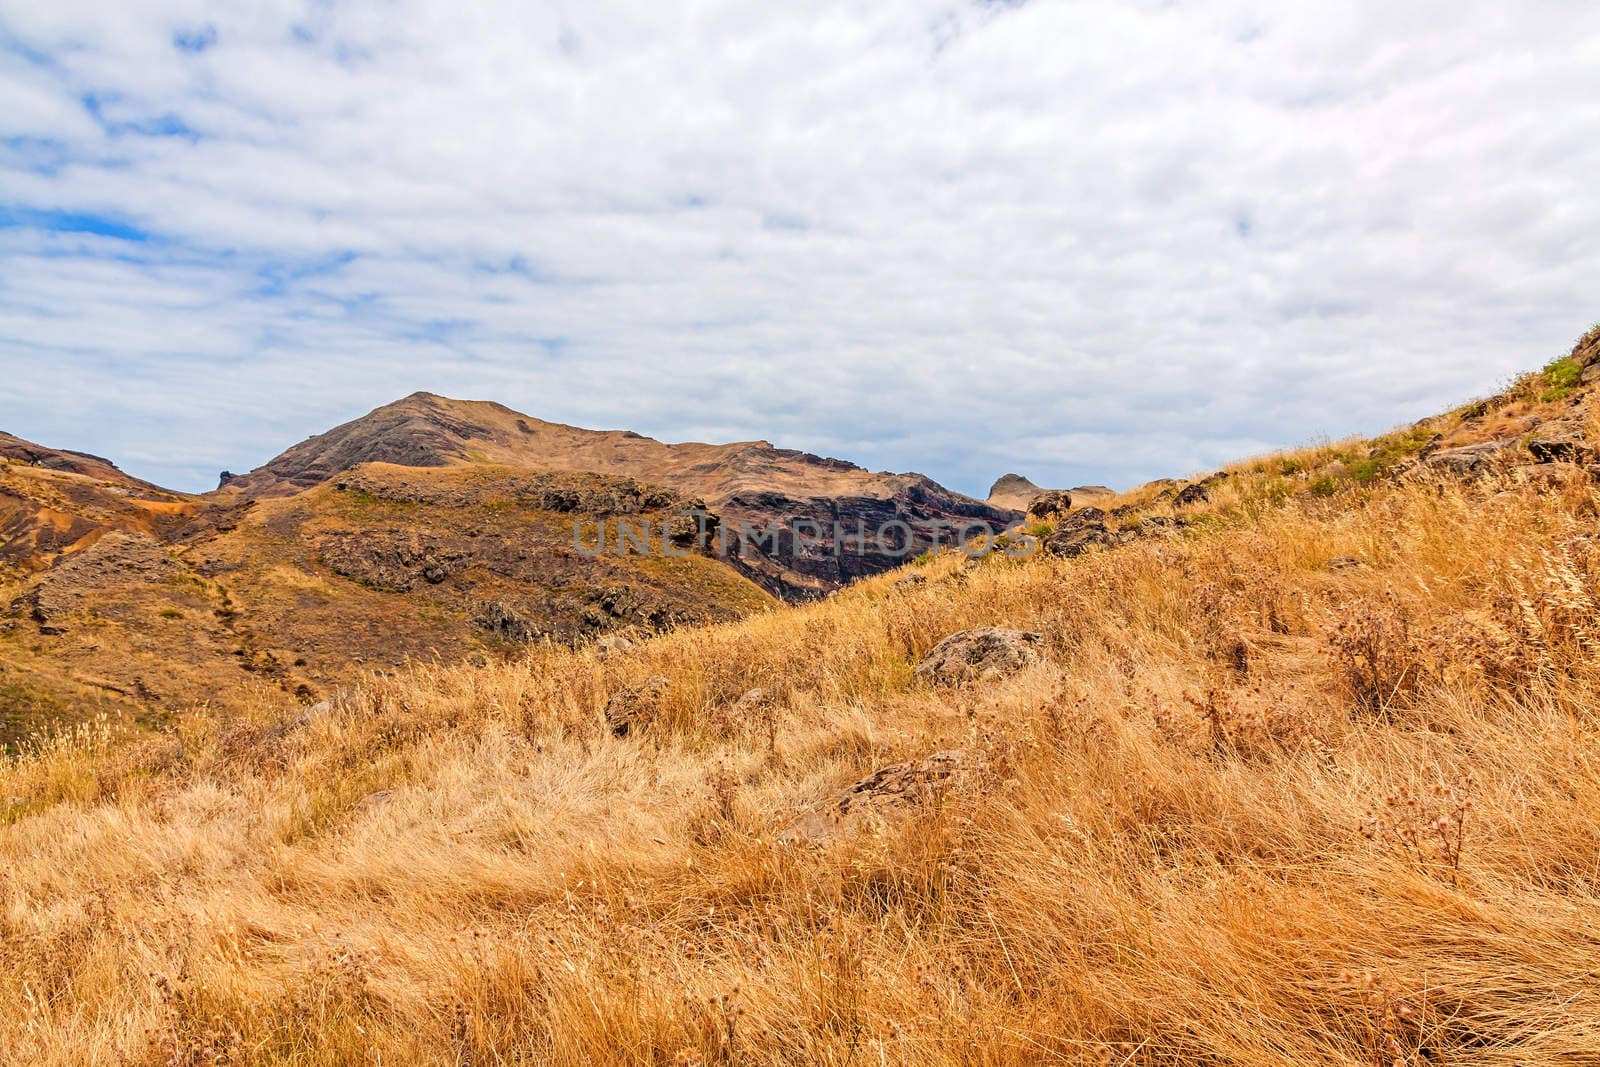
<point x="751" y="485"/>
<point x="429" y="527"/>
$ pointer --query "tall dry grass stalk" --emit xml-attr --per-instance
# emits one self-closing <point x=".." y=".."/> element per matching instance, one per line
<point x="1253" y="810"/>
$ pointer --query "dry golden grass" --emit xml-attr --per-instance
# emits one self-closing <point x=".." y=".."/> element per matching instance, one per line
<point x="1254" y="810"/>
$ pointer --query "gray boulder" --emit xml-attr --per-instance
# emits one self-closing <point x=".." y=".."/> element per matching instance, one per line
<point x="1468" y="460"/>
<point x="986" y="652"/>
<point x="1561" y="447"/>
<point x="1077" y="532"/>
<point x="1050" y="502"/>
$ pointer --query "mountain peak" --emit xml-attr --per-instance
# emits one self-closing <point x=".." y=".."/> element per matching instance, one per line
<point x="749" y="482"/>
<point x="1012" y="491"/>
<point x="420" y="430"/>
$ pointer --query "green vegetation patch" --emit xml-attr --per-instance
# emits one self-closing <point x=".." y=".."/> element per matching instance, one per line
<point x="1327" y="485"/>
<point x="1363" y="471"/>
<point x="1560" y="379"/>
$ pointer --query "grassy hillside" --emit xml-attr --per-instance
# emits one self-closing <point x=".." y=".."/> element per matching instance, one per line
<point x="1308" y="779"/>
<point x="285" y="600"/>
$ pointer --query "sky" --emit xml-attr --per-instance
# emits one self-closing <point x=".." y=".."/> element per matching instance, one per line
<point x="1083" y="240"/>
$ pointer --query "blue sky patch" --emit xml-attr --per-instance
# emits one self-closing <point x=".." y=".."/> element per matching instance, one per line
<point x="196" y="40"/>
<point x="166" y="124"/>
<point x="12" y="218"/>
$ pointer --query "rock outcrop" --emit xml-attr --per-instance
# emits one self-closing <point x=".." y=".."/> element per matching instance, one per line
<point x="1562" y="441"/>
<point x="984" y="653"/>
<point x="1586" y="354"/>
<point x="1049" y="503"/>
<point x="1016" y="493"/>
<point x="891" y="793"/>
<point x="1469" y="460"/>
<point x="80" y="582"/>
<point x="1077" y="532"/>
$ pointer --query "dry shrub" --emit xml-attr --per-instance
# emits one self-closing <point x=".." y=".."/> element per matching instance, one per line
<point x="1249" y="723"/>
<point x="1376" y="654"/>
<point x="1429" y="830"/>
<point x="1394" y="1030"/>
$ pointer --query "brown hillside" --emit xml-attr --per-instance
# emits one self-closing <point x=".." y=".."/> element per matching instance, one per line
<point x="748" y="482"/>
<point x="252" y="601"/>
<point x="53" y="501"/>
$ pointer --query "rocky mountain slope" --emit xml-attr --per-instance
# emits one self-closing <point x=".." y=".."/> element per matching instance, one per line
<point x="748" y="484"/>
<point x="53" y="502"/>
<point x="120" y="595"/>
<point x="463" y="530"/>
<point x="430" y="527"/>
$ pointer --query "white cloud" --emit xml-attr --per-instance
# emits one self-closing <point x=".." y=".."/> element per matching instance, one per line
<point x="1087" y="241"/>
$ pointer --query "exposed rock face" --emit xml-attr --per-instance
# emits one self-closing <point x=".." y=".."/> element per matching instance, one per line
<point x="1562" y="441"/>
<point x="1469" y="460"/>
<point x="394" y="561"/>
<point x="893" y="792"/>
<point x="504" y="622"/>
<point x="78" y="583"/>
<point x="1050" y="502"/>
<point x="1078" y="532"/>
<point x="1561" y="448"/>
<point x="1586" y="354"/>
<point x="988" y="652"/>
<point x="1190" y="495"/>
<point x="636" y="707"/>
<point x="1076" y="540"/>
<point x="800" y="548"/>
